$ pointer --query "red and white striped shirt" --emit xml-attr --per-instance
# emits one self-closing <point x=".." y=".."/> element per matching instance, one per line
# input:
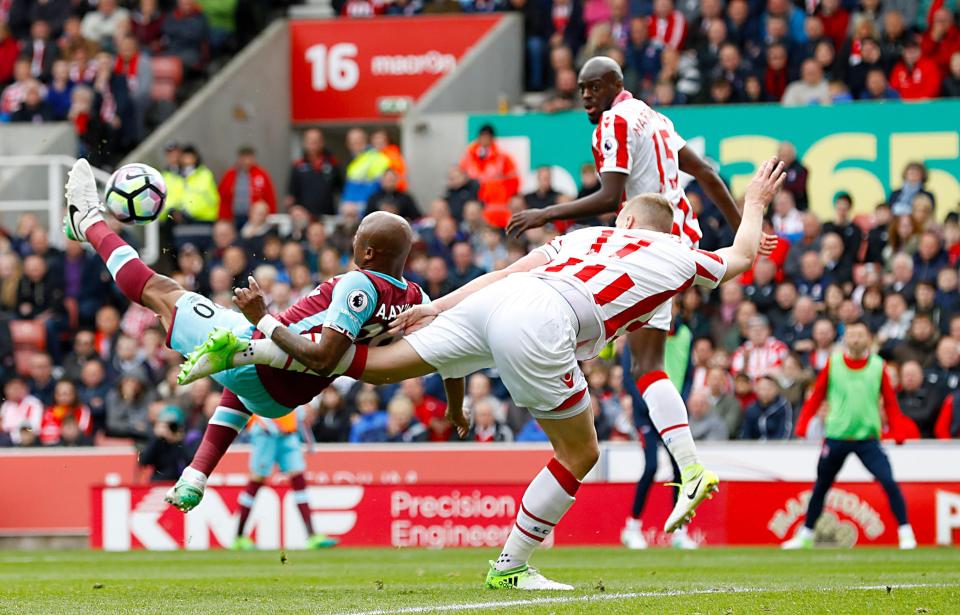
<point x="670" y="31"/>
<point x="627" y="274"/>
<point x="633" y="139"/>
<point x="17" y="414"/>
<point x="756" y="361"/>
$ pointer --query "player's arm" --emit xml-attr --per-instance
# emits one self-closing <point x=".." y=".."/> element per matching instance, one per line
<point x="603" y="201"/>
<point x="421" y="315"/>
<point x="709" y="180"/>
<point x="455" y="388"/>
<point x="817" y="396"/>
<point x="746" y="244"/>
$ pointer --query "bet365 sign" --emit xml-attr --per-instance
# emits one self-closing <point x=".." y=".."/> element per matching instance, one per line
<point x="858" y="148"/>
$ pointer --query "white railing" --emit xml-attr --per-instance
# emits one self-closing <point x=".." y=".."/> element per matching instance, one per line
<point x="53" y="202"/>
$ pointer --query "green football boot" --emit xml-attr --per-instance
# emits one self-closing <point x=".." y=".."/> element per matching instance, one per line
<point x="242" y="543"/>
<point x="321" y="541"/>
<point x="212" y="356"/>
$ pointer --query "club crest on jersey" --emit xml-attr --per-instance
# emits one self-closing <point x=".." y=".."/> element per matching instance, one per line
<point x="357" y="300"/>
<point x="568" y="379"/>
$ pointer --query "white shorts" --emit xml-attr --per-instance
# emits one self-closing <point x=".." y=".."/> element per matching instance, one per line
<point x="523" y="327"/>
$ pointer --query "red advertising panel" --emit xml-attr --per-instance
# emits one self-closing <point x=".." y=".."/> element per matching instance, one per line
<point x="443" y="516"/>
<point x="366" y="68"/>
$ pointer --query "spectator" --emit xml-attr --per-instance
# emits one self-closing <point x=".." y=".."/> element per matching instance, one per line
<point x="495" y="171"/>
<point x="40" y="296"/>
<point x="200" y="197"/>
<point x="915" y="77"/>
<point x="165" y="451"/>
<point x="19" y="410"/>
<point x="824" y="340"/>
<point x="870" y="58"/>
<point x="793" y="17"/>
<point x="795" y="380"/>
<point x="843" y="225"/>
<point x="71" y="434"/>
<point x="99" y="26"/>
<point x="787" y="221"/>
<point x="93" y="391"/>
<point x="382" y="142"/>
<point x="365" y="168"/>
<point x="929" y="259"/>
<point x="920" y="343"/>
<point x="316" y="179"/>
<point x="15" y="93"/>
<point x="138" y="71"/>
<point x="833" y="257"/>
<point x="429" y="410"/>
<point x="60" y="91"/>
<point x="811" y="89"/>
<point x="40" y="50"/>
<point x="705" y="424"/>
<point x="902" y="280"/>
<point x="146" y="23"/>
<point x="66" y="403"/>
<point x="951" y="84"/>
<point x="128" y="407"/>
<point x="34" y="109"/>
<point x="479" y="389"/>
<point x="83" y="351"/>
<point x="770" y="416"/>
<point x="370" y="424"/>
<point x="391" y="198"/>
<point x="244" y="184"/>
<point x="918" y="403"/>
<point x="41" y="382"/>
<point x="809" y="241"/>
<point x="9" y="48"/>
<point x="722" y="402"/>
<point x="776" y="78"/>
<point x="761" y="291"/>
<point x="564" y="95"/>
<point x="544" y="195"/>
<point x="761" y="354"/>
<point x="464" y="270"/>
<point x="186" y="35"/>
<point x="812" y="281"/>
<point x="914" y="183"/>
<point x="484" y="425"/>
<point x="668" y="26"/>
<point x="461" y="189"/>
<point x="332" y="422"/>
<point x="402" y="424"/>
<point x="898" y="319"/>
<point x="438" y="278"/>
<point x="941" y="39"/>
<point x="836" y="21"/>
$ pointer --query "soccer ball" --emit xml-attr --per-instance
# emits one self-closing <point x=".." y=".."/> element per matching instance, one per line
<point x="135" y="194"/>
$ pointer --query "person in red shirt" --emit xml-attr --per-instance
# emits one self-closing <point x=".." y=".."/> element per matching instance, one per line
<point x="429" y="410"/>
<point x="66" y="403"/>
<point x="9" y="49"/>
<point x="915" y="77"/>
<point x="496" y="172"/>
<point x="255" y="185"/>
<point x="835" y="21"/>
<point x="667" y="26"/>
<point x="941" y="40"/>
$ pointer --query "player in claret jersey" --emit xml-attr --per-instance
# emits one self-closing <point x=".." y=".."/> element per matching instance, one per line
<point x="352" y="308"/>
<point x="534" y="321"/>
<point x="637" y="151"/>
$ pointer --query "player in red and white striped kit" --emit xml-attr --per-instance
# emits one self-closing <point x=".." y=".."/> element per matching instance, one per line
<point x="534" y="321"/>
<point x="636" y="151"/>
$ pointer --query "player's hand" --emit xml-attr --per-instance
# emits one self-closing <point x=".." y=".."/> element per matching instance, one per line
<point x="250" y="301"/>
<point x="458" y="420"/>
<point x="768" y="243"/>
<point x="525" y="220"/>
<point x="766" y="183"/>
<point x="415" y="318"/>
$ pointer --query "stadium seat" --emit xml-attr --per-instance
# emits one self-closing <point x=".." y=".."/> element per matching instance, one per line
<point x="167" y="76"/>
<point x="28" y="334"/>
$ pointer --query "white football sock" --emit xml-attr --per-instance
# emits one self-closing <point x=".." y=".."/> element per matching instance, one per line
<point x="669" y="415"/>
<point x="266" y="352"/>
<point x="550" y="494"/>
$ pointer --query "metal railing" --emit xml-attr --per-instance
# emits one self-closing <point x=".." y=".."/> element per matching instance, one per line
<point x="12" y="168"/>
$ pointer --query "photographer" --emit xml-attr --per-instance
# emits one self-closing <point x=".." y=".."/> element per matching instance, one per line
<point x="165" y="450"/>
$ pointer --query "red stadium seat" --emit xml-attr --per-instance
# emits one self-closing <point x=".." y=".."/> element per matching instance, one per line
<point x="28" y="334"/>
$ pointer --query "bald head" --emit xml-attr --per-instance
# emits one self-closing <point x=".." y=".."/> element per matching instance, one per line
<point x="600" y="81"/>
<point x="647" y="211"/>
<point x="382" y="243"/>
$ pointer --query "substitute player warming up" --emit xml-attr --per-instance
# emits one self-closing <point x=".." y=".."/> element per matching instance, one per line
<point x="853" y="384"/>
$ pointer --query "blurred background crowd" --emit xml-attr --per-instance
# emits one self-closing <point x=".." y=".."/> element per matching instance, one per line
<point x="79" y="365"/>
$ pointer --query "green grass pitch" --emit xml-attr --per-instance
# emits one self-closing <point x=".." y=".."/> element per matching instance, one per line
<point x="717" y="580"/>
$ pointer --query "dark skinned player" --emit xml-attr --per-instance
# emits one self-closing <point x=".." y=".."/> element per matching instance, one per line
<point x="636" y="151"/>
<point x="355" y="307"/>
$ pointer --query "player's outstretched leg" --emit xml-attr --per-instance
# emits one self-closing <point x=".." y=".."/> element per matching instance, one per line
<point x="84" y="222"/>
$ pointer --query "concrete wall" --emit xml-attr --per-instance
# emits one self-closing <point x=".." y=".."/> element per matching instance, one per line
<point x="247" y="103"/>
<point x="434" y="132"/>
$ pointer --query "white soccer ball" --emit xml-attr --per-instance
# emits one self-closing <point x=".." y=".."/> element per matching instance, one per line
<point x="135" y="194"/>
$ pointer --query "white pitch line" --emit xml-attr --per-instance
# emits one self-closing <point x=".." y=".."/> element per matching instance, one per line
<point x="478" y="606"/>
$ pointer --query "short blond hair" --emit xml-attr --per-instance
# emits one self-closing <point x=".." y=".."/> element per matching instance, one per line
<point x="652" y="210"/>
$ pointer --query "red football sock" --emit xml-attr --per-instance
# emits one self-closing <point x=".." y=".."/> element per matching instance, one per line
<point x="300" y="496"/>
<point x="245" y="500"/>
<point x="123" y="262"/>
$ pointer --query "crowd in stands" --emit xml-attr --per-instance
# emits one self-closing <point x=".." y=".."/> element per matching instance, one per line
<point x="113" y="69"/>
<point x="744" y="355"/>
<point x="729" y="51"/>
